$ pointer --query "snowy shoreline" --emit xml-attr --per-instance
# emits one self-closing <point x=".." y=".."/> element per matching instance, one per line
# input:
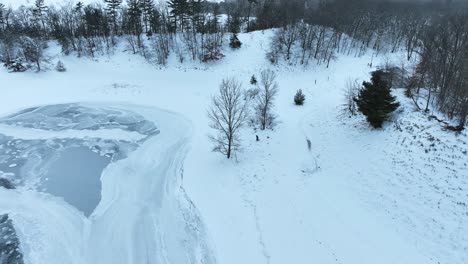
<point x="142" y="203"/>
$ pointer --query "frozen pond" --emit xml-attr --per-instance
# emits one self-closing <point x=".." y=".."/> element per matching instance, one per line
<point x="63" y="149"/>
<point x="63" y="160"/>
<point x="75" y="176"/>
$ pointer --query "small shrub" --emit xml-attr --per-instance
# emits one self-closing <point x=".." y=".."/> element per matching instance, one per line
<point x="60" y="67"/>
<point x="234" y="42"/>
<point x="299" y="98"/>
<point x="253" y="80"/>
<point x="16" y="65"/>
<point x="212" y="52"/>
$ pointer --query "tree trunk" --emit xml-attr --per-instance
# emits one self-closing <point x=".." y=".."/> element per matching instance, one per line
<point x="229" y="148"/>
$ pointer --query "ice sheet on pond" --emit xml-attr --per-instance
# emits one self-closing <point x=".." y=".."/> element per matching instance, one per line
<point x="74" y="175"/>
<point x="68" y="168"/>
<point x="79" y="117"/>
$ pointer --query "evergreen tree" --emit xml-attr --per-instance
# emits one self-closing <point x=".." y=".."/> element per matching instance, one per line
<point x="134" y="17"/>
<point x="180" y="10"/>
<point x="79" y="6"/>
<point x="2" y="16"/>
<point x="39" y="12"/>
<point x="40" y="6"/>
<point x="253" y="80"/>
<point x="213" y="26"/>
<point x="112" y="9"/>
<point x="251" y="2"/>
<point x="155" y="21"/>
<point x="79" y="18"/>
<point x="147" y="7"/>
<point x="234" y="42"/>
<point x="375" y="100"/>
<point x="60" y="67"/>
<point x="234" y="23"/>
<point x="198" y="18"/>
<point x="299" y="98"/>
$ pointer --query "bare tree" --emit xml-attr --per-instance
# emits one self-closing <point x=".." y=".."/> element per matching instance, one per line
<point x="351" y="91"/>
<point x="444" y="60"/>
<point x="33" y="50"/>
<point x="265" y="99"/>
<point x="228" y="114"/>
<point x="288" y="36"/>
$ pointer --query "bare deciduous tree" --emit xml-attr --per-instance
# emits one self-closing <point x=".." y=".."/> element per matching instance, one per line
<point x="228" y="114"/>
<point x="265" y="99"/>
<point x="351" y="91"/>
<point x="33" y="50"/>
<point x="444" y="59"/>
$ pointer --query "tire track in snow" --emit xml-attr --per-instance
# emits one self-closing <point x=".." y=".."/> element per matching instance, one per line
<point x="260" y="238"/>
<point x="254" y="187"/>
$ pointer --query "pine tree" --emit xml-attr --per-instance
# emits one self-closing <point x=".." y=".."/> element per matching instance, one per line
<point x="2" y="16"/>
<point x="113" y="12"/>
<point x="78" y="11"/>
<point x="147" y="7"/>
<point x="234" y="23"/>
<point x="60" y="67"/>
<point x="39" y="12"/>
<point x="214" y="22"/>
<point x="251" y="2"/>
<point x="40" y="5"/>
<point x="198" y="17"/>
<point x="299" y="98"/>
<point x="156" y="21"/>
<point x="179" y="12"/>
<point x="234" y="42"/>
<point x="375" y="100"/>
<point x="253" y="80"/>
<point x="134" y="16"/>
<point x="79" y="6"/>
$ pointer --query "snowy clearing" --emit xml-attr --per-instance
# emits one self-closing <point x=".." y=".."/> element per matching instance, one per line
<point x="396" y="195"/>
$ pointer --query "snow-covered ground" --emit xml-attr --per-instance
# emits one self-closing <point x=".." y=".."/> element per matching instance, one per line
<point x="397" y="195"/>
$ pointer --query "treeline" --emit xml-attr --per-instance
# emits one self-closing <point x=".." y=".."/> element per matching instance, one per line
<point x="441" y="77"/>
<point x="433" y="33"/>
<point x="321" y="28"/>
<point x="192" y="29"/>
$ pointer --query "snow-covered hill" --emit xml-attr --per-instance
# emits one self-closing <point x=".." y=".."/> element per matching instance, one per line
<point x="396" y="195"/>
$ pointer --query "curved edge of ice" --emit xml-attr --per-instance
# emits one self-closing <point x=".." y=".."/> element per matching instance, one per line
<point x="144" y="215"/>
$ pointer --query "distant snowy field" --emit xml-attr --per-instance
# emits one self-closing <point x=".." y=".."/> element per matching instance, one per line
<point x="393" y="196"/>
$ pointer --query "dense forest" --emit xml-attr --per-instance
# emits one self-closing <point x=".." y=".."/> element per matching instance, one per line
<point x="434" y="34"/>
